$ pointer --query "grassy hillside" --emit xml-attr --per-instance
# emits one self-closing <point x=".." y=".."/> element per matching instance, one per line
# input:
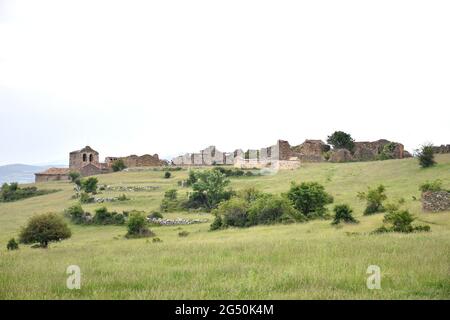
<point x="299" y="261"/>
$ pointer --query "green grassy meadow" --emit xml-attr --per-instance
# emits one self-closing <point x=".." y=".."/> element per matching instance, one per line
<point x="312" y="260"/>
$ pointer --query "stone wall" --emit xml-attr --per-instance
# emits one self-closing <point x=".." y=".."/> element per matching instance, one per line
<point x="368" y="151"/>
<point x="435" y="201"/>
<point x="341" y="155"/>
<point x="311" y="151"/>
<point x="261" y="164"/>
<point x="442" y="148"/>
<point x="134" y="161"/>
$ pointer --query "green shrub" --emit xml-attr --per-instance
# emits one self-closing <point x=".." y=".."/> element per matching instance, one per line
<point x="170" y="202"/>
<point x="192" y="178"/>
<point x="435" y="185"/>
<point x="343" y="212"/>
<point x="250" y="194"/>
<point x="309" y="198"/>
<point x="86" y="198"/>
<point x="217" y="224"/>
<point x="137" y="226"/>
<point x="167" y="175"/>
<point x="74" y="176"/>
<point x="388" y="151"/>
<point x="271" y="209"/>
<point x="374" y="198"/>
<point x="118" y="165"/>
<point x="76" y="214"/>
<point x="12" y="192"/>
<point x="104" y="217"/>
<point x="43" y="229"/>
<point x="183" y="234"/>
<point x="12" y="245"/>
<point x="341" y="140"/>
<point x="156" y="240"/>
<point x="89" y="185"/>
<point x="123" y="197"/>
<point x="233" y="212"/>
<point x="156" y="215"/>
<point x="426" y="156"/>
<point x="400" y="221"/>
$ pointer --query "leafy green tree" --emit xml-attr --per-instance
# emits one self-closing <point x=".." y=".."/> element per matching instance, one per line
<point x="118" y="165"/>
<point x="374" y="198"/>
<point x="426" y="156"/>
<point x="309" y="198"/>
<point x="209" y="189"/>
<point x="341" y="140"/>
<point x="43" y="229"/>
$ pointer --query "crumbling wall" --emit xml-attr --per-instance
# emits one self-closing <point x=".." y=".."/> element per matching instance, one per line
<point x="442" y="148"/>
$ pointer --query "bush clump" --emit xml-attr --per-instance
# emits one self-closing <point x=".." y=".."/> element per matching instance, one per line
<point x="425" y="155"/>
<point x="104" y="217"/>
<point x="170" y="202"/>
<point x="374" y="198"/>
<point x="258" y="209"/>
<point x="12" y="192"/>
<point x="118" y="165"/>
<point x="123" y="197"/>
<point x="137" y="226"/>
<point x="12" y="245"/>
<point x="434" y="186"/>
<point x="270" y="209"/>
<point x="156" y="215"/>
<point x="76" y="214"/>
<point x="167" y="175"/>
<point x="310" y="199"/>
<point x="89" y="185"/>
<point x="400" y="221"/>
<point x="43" y="229"/>
<point x="183" y="234"/>
<point x="343" y="213"/>
<point x="388" y="151"/>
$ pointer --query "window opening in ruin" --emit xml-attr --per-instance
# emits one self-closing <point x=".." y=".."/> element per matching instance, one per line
<point x="84" y="157"/>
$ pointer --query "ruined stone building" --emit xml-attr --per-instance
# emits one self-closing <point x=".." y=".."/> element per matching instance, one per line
<point x="86" y="162"/>
<point x="134" y="161"/>
<point x="206" y="157"/>
<point x="53" y="174"/>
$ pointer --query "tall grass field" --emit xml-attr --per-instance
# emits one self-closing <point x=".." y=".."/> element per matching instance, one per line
<point x="311" y="260"/>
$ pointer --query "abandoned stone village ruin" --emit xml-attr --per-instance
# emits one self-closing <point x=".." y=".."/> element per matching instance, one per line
<point x="86" y="162"/>
<point x="278" y="156"/>
<point x="284" y="156"/>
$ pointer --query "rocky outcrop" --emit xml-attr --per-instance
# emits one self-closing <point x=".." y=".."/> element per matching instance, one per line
<point x="341" y="155"/>
<point x="435" y="201"/>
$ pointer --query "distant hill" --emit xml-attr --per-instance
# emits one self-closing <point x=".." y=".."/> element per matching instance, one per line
<point x="22" y="173"/>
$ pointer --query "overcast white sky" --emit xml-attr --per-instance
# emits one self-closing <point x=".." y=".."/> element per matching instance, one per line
<point x="135" y="77"/>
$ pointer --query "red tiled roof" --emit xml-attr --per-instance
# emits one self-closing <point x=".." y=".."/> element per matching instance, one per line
<point x="55" y="171"/>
